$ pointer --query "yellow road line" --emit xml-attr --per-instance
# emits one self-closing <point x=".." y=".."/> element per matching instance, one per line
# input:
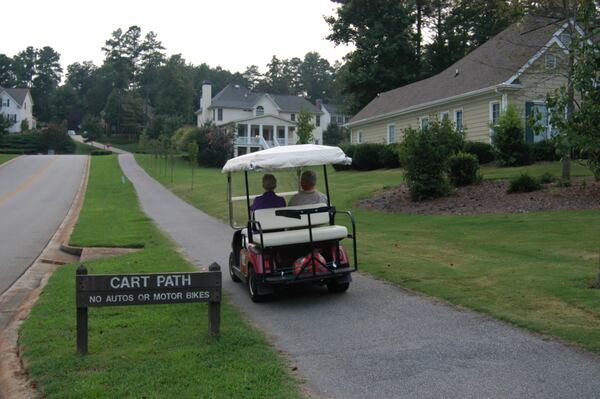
<point x="27" y="183"/>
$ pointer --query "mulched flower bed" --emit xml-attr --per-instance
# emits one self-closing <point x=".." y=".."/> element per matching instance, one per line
<point x="490" y="197"/>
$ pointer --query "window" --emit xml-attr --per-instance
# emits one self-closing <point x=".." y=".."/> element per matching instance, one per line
<point x="318" y="120"/>
<point x="12" y="118"/>
<point x="359" y="137"/>
<point x="340" y="120"/>
<point x="424" y="122"/>
<point x="550" y="61"/>
<point x="391" y="133"/>
<point x="444" y="115"/>
<point x="293" y="117"/>
<point x="458" y="119"/>
<point x="538" y="124"/>
<point x="260" y="110"/>
<point x="494" y="113"/>
<point x="219" y="114"/>
<point x="213" y="114"/>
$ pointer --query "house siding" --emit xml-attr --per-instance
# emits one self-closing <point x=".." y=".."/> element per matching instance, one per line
<point x="476" y="120"/>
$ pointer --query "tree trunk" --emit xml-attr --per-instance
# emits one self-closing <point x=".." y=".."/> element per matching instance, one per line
<point x="566" y="162"/>
<point x="598" y="275"/>
<point x="419" y="29"/>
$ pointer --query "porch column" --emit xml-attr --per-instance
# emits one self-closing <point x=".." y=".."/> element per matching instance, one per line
<point x="260" y="130"/>
<point x="286" y="134"/>
<point x="275" y="133"/>
<point x="248" y="133"/>
<point x="504" y="102"/>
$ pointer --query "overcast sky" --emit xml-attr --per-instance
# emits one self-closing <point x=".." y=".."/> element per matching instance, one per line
<point x="229" y="33"/>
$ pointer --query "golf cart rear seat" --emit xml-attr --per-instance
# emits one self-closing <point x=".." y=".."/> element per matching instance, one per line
<point x="281" y="230"/>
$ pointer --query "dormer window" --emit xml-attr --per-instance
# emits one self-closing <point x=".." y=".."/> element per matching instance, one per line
<point x="293" y="117"/>
<point x="550" y="61"/>
<point x="260" y="110"/>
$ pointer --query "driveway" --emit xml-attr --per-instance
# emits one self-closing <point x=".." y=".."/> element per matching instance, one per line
<point x="36" y="192"/>
<point x="376" y="340"/>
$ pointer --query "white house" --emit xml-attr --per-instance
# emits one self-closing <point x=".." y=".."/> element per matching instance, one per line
<point x="332" y="114"/>
<point x="17" y="105"/>
<point x="261" y="120"/>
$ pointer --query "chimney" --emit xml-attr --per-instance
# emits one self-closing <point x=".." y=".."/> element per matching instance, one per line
<point x="318" y="104"/>
<point x="205" y="101"/>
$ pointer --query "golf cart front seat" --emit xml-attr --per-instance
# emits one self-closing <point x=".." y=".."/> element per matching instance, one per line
<point x="281" y="230"/>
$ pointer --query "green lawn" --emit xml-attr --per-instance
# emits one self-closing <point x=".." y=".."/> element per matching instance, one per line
<point x="83" y="149"/>
<point x="7" y="157"/>
<point x="533" y="270"/>
<point x="159" y="351"/>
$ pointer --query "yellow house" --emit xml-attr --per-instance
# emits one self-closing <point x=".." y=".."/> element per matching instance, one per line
<point x="518" y="66"/>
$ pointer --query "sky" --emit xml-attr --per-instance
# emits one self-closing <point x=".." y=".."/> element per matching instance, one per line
<point x="231" y="33"/>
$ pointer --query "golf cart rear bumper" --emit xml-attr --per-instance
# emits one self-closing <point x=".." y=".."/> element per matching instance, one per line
<point x="341" y="275"/>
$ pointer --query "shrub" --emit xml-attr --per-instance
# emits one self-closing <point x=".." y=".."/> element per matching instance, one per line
<point x="215" y="145"/>
<point x="335" y="134"/>
<point x="366" y="157"/>
<point x="100" y="152"/>
<point x="183" y="137"/>
<point x="55" y="138"/>
<point x="10" y="151"/>
<point x="425" y="155"/>
<point x="463" y="169"/>
<point x="547" y="178"/>
<point x="509" y="139"/>
<point x="28" y="143"/>
<point x="524" y="184"/>
<point x="544" y="150"/>
<point x="349" y="150"/>
<point x="483" y="151"/>
<point x="389" y="156"/>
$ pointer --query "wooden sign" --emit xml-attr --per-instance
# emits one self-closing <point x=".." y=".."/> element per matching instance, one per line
<point x="146" y="289"/>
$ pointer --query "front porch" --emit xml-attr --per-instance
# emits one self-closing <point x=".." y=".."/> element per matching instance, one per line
<point x="254" y="136"/>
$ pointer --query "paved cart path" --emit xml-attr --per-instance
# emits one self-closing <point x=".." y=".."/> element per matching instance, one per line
<point x="36" y="192"/>
<point x="378" y="341"/>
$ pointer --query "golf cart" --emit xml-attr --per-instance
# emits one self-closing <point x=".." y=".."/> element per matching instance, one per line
<point x="283" y="246"/>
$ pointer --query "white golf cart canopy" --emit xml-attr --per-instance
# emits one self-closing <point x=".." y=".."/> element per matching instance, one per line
<point x="284" y="157"/>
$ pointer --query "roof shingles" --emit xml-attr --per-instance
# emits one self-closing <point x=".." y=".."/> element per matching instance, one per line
<point x="492" y="63"/>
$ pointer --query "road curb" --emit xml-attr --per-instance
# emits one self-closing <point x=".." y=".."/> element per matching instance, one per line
<point x="19" y="299"/>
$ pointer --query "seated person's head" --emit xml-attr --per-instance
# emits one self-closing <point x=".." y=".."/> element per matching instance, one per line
<point x="269" y="182"/>
<point x="308" y="180"/>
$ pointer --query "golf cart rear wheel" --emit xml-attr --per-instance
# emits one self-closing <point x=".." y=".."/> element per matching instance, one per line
<point x="253" y="284"/>
<point x="336" y="288"/>
<point x="234" y="277"/>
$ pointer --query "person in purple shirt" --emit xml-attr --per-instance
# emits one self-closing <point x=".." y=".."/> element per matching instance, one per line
<point x="269" y="199"/>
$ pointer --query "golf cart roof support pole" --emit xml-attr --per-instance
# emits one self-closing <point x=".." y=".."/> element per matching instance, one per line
<point x="326" y="184"/>
<point x="229" y="196"/>
<point x="247" y="194"/>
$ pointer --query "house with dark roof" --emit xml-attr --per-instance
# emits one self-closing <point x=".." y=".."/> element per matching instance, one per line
<point x="260" y="120"/>
<point x="518" y="66"/>
<point x="16" y="105"/>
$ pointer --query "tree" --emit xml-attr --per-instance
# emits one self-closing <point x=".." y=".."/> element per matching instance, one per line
<point x="577" y="118"/>
<point x="175" y="90"/>
<point x="316" y="76"/>
<point x="509" y="139"/>
<point x="92" y="129"/>
<point x="5" y="124"/>
<point x="384" y="57"/>
<point x="335" y="134"/>
<point x="7" y="76"/>
<point x="23" y="66"/>
<point x="193" y="158"/>
<point x="304" y="127"/>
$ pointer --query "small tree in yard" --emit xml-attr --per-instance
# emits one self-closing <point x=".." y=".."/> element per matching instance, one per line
<point x="425" y="155"/>
<point x="24" y="125"/>
<point x="509" y="139"/>
<point x="5" y="124"/>
<point x="577" y="118"/>
<point x="193" y="158"/>
<point x="305" y="127"/>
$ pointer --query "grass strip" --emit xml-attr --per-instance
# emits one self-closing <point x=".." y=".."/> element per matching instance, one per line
<point x="7" y="157"/>
<point x="158" y="351"/>
<point x="534" y="270"/>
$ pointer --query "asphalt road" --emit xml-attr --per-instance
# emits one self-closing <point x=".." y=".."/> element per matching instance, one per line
<point x="36" y="192"/>
<point x="376" y="340"/>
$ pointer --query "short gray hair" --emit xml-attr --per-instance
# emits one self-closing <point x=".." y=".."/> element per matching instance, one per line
<point x="309" y="177"/>
<point x="269" y="182"/>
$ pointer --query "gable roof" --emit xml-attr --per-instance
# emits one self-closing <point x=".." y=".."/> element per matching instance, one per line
<point x="237" y="96"/>
<point x="493" y="63"/>
<point x="18" y="95"/>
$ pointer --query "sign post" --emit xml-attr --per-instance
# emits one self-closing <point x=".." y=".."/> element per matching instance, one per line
<point x="101" y="290"/>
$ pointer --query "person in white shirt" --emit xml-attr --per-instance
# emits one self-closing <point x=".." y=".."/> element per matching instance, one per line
<point x="308" y="195"/>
